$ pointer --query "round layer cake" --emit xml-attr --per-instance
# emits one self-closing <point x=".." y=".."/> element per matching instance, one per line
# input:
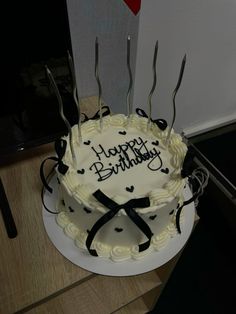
<point x="120" y="193"/>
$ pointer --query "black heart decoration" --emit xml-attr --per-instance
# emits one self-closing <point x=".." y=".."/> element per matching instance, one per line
<point x="81" y="171"/>
<point x="152" y="217"/>
<point x="171" y="212"/>
<point x="166" y="170"/>
<point x="156" y="143"/>
<point x="122" y="132"/>
<point x="88" y="211"/>
<point x="130" y="189"/>
<point x="71" y="209"/>
<point x="118" y="229"/>
<point x="87" y="142"/>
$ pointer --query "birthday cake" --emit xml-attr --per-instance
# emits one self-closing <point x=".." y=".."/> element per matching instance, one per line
<point x="120" y="179"/>
<point x="119" y="193"/>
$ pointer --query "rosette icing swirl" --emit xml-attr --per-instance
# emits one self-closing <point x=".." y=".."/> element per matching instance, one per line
<point x="120" y="254"/>
<point x="62" y="219"/>
<point x="71" y="230"/>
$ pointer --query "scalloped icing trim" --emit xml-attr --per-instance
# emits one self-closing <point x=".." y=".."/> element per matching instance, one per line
<point x="116" y="253"/>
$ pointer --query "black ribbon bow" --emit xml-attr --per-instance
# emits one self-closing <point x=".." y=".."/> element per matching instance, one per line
<point x="60" y="148"/>
<point x="161" y="123"/>
<point x="188" y="163"/>
<point x="106" y="112"/>
<point x="114" y="208"/>
<point x="178" y="213"/>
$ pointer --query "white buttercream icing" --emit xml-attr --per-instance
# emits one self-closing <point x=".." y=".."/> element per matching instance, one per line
<point x="124" y="160"/>
<point x="117" y="253"/>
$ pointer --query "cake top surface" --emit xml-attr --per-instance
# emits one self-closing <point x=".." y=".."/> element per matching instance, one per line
<point x="127" y="159"/>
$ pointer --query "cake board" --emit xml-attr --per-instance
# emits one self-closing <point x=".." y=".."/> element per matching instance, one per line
<point x="103" y="266"/>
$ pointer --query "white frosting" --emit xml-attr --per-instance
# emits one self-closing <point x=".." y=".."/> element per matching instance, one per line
<point x="163" y="186"/>
<point x="119" y="253"/>
<point x="144" y="166"/>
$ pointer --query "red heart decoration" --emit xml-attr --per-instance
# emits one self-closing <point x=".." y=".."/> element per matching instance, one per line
<point x="134" y="5"/>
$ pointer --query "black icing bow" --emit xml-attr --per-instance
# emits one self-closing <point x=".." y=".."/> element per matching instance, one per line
<point x="105" y="112"/>
<point x="186" y="171"/>
<point x="60" y="148"/>
<point x="161" y="123"/>
<point x="114" y="208"/>
<point x="188" y="164"/>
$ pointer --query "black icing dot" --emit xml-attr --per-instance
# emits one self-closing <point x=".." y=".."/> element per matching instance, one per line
<point x="130" y="188"/>
<point x="152" y="217"/>
<point x="58" y="181"/>
<point x="88" y="211"/>
<point x="81" y="171"/>
<point x="71" y="209"/>
<point x="155" y="143"/>
<point x="63" y="202"/>
<point x="110" y="164"/>
<point x="117" y="229"/>
<point x="165" y="170"/>
<point x="122" y="132"/>
<point x="171" y="212"/>
<point x="87" y="142"/>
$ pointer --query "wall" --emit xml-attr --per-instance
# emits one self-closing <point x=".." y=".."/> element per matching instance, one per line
<point x="206" y="32"/>
<point x="111" y="21"/>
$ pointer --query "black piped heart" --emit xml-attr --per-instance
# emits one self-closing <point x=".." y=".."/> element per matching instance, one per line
<point x="88" y="211"/>
<point x="166" y="170"/>
<point x="156" y="143"/>
<point x="130" y="188"/>
<point x="152" y="217"/>
<point x="81" y="171"/>
<point x="71" y="209"/>
<point x="87" y="142"/>
<point x="122" y="132"/>
<point x="118" y="229"/>
<point x="171" y="212"/>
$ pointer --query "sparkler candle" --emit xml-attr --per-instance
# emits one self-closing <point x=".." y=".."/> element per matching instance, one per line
<point x="98" y="81"/>
<point x="60" y="102"/>
<point x="75" y="93"/>
<point x="128" y="102"/>
<point x="153" y="85"/>
<point x="174" y="95"/>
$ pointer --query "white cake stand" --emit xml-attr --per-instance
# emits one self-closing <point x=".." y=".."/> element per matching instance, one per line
<point x="103" y="266"/>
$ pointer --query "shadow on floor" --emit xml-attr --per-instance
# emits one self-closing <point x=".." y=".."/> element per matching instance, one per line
<point x="205" y="276"/>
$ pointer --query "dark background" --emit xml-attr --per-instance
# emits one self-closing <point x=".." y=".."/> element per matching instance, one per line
<point x="35" y="33"/>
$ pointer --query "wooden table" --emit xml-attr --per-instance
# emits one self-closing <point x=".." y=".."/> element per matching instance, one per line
<point x="36" y="278"/>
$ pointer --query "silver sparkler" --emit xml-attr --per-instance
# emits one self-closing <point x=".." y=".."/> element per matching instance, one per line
<point x="174" y="95"/>
<point x="98" y="81"/>
<point x="60" y="102"/>
<point x="75" y="93"/>
<point x="128" y="102"/>
<point x="154" y="83"/>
